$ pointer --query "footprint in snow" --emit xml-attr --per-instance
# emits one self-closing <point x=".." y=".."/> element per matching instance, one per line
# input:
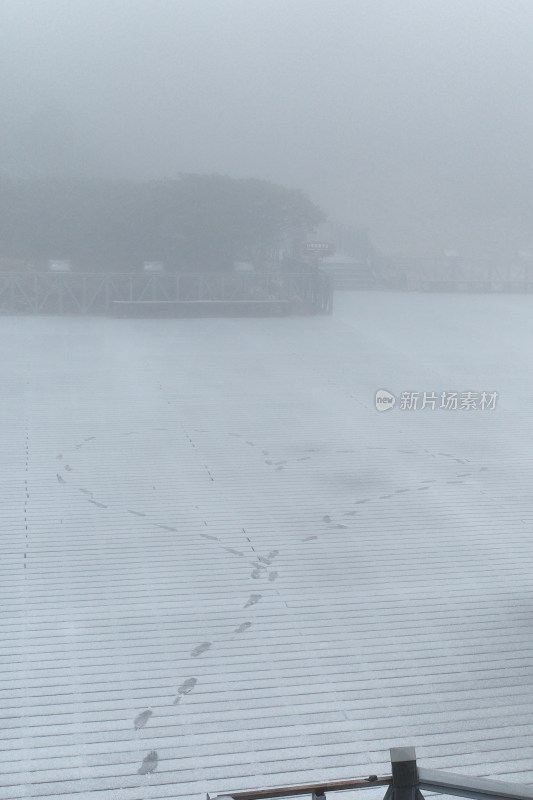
<point x="200" y="649"/>
<point x="137" y="513"/>
<point x="59" y="478"/>
<point x="141" y="719"/>
<point x="96" y="503"/>
<point x="167" y="528"/>
<point x="272" y="576"/>
<point x="339" y="527"/>
<point x="185" y="688"/>
<point x="243" y="627"/>
<point x="149" y="763"/>
<point x="207" y="536"/>
<point x="273" y="554"/>
<point x="90" y="438"/>
<point x="68" y="468"/>
<point x="278" y="469"/>
<point x="256" y="573"/>
<point x="235" y="552"/>
<point x="365" y="500"/>
<point x="252" y="600"/>
<point x="326" y="518"/>
<point x="309" y="538"/>
<point x="305" y="458"/>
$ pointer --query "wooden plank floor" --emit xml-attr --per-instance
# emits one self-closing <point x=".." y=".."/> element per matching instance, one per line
<point x="221" y="568"/>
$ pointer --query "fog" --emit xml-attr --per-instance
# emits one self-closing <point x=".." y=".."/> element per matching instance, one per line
<point x="266" y="334"/>
<point x="410" y="118"/>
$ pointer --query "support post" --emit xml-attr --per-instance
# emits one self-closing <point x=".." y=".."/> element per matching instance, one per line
<point x="404" y="773"/>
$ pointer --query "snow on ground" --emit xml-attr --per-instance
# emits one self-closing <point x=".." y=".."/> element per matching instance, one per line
<point x="221" y="568"/>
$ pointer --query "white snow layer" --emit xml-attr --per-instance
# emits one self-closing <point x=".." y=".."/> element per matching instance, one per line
<point x="221" y="568"/>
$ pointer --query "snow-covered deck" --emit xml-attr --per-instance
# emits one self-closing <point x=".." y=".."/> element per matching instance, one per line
<point x="221" y="568"/>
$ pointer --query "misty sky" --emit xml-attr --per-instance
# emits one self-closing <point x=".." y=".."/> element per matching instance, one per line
<point x="411" y="117"/>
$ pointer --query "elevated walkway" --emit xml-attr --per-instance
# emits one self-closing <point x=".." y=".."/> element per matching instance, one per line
<point x="222" y="568"/>
<point x="150" y="294"/>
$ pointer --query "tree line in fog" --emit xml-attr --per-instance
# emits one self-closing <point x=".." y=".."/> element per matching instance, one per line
<point x="196" y="222"/>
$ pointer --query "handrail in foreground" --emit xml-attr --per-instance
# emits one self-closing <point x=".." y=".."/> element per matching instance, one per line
<point x="405" y="782"/>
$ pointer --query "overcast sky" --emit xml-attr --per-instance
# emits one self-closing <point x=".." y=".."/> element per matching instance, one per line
<point x="411" y="117"/>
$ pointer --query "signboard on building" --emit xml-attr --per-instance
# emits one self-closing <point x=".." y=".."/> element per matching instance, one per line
<point x="318" y="249"/>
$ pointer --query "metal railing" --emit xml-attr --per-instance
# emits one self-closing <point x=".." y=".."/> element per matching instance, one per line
<point x="96" y="293"/>
<point x="458" y="274"/>
<point x="406" y="781"/>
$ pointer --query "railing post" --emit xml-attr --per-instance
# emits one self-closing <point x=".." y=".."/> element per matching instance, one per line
<point x="404" y="773"/>
<point x="319" y="795"/>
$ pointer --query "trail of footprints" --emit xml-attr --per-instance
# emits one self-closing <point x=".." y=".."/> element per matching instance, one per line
<point x="425" y="485"/>
<point x="260" y="570"/>
<point x="260" y="567"/>
<point x="278" y="466"/>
